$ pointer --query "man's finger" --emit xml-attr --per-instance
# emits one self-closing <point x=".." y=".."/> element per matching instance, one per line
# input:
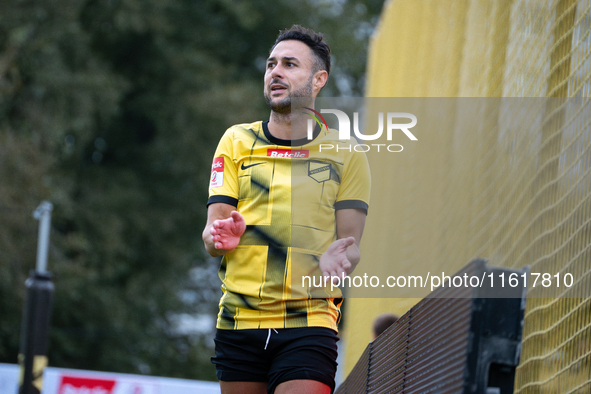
<point x="239" y="225"/>
<point x="348" y="241"/>
<point x="237" y="216"/>
<point x="346" y="265"/>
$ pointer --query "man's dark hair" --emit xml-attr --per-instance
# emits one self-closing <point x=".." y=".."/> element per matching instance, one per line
<point x="382" y="322"/>
<point x="315" y="41"/>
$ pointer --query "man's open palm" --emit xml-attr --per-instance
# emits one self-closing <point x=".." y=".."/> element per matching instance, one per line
<point x="334" y="261"/>
<point x="227" y="232"/>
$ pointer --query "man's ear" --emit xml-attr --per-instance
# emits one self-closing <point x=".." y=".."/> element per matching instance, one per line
<point x="319" y="80"/>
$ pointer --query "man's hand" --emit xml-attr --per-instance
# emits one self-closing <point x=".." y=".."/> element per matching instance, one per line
<point x="227" y="232"/>
<point x="335" y="261"/>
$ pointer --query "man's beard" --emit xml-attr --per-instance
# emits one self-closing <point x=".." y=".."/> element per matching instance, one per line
<point x="283" y="106"/>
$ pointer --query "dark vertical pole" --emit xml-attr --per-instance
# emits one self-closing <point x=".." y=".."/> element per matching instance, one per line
<point x="34" y="332"/>
<point x="32" y="358"/>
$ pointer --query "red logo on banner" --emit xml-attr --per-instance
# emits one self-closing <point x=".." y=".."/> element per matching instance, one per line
<point x="295" y="154"/>
<point x="74" y="385"/>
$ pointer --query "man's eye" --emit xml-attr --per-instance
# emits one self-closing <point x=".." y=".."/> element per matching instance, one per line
<point x="289" y="64"/>
<point x="269" y="65"/>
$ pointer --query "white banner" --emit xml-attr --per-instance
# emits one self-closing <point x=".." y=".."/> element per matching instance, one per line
<point x="71" y="381"/>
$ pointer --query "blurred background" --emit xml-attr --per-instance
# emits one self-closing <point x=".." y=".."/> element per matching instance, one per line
<point x="111" y="110"/>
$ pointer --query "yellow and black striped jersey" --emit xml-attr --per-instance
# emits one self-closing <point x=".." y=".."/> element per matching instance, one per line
<point x="288" y="192"/>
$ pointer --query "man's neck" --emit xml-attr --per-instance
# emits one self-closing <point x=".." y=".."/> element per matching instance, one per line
<point x="286" y="126"/>
<point x="280" y="125"/>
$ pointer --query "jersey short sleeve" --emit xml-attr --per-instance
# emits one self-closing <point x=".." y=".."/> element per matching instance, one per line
<point x="223" y="184"/>
<point x="355" y="183"/>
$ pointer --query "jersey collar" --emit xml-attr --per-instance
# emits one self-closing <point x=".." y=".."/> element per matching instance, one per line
<point x="281" y="142"/>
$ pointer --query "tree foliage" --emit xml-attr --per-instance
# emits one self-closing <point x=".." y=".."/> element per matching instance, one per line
<point x="111" y="109"/>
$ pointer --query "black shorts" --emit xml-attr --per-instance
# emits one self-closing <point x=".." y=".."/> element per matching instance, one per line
<point x="276" y="356"/>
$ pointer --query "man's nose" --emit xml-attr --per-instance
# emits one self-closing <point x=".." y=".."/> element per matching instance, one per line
<point x="277" y="71"/>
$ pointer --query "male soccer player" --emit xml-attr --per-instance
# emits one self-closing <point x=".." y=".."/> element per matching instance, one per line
<point x="279" y="208"/>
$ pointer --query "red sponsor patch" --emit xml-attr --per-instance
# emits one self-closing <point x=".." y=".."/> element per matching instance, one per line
<point x="218" y="164"/>
<point x="289" y="153"/>
<point x="217" y="172"/>
<point x="76" y="385"/>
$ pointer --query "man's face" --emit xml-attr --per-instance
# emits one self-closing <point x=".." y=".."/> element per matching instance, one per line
<point x="289" y="74"/>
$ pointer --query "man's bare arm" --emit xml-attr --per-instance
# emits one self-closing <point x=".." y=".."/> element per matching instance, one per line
<point x="343" y="255"/>
<point x="223" y="230"/>
<point x="350" y="223"/>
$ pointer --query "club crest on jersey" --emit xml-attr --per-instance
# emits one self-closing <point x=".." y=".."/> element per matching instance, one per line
<point x="319" y="171"/>
<point x="217" y="173"/>
<point x="288" y="153"/>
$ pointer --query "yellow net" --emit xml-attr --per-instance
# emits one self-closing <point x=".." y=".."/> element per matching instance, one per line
<point x="517" y="194"/>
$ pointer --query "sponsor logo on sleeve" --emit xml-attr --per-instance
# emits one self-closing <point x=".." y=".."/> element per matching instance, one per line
<point x="217" y="173"/>
<point x="288" y="153"/>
